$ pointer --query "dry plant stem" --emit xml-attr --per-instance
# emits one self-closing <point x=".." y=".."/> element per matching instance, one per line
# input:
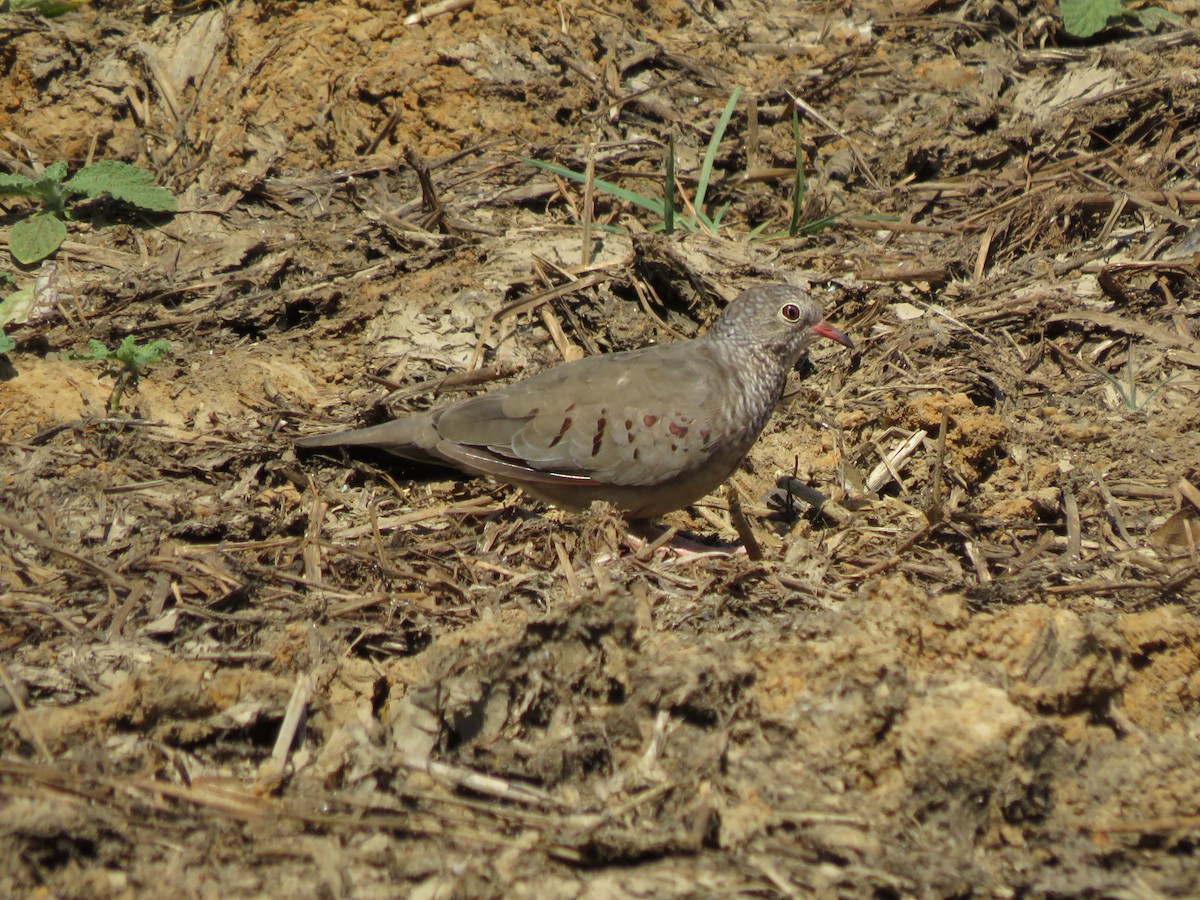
<point x="1114" y="512"/>
<point x="934" y="513"/>
<point x="971" y="549"/>
<point x="863" y="165"/>
<point x="589" y="196"/>
<point x="741" y="524"/>
<point x="483" y="784"/>
<point x="363" y="603"/>
<point x="1156" y="333"/>
<point x="1166" y="825"/>
<point x="1188" y="490"/>
<point x="565" y="565"/>
<point x="1074" y="530"/>
<point x="566" y="350"/>
<point x="46" y="544"/>
<point x="824" y="506"/>
<point x="981" y="257"/>
<point x="312" y="546"/>
<point x="381" y="557"/>
<point x="436" y="387"/>
<point x="752" y="138"/>
<point x="385" y="131"/>
<point x="292" y="720"/>
<point x="545" y="266"/>
<point x="238" y="803"/>
<point x="121" y="616"/>
<point x="528" y="304"/>
<point x="423" y="15"/>
<point x="906" y="275"/>
<point x="474" y="506"/>
<point x="894" y="463"/>
<point x="1168" y="586"/>
<point x="656" y="744"/>
<point x="897" y="557"/>
<point x="31" y="730"/>
<point x="435" y="213"/>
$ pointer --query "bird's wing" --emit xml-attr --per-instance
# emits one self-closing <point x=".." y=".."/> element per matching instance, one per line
<point x="639" y="417"/>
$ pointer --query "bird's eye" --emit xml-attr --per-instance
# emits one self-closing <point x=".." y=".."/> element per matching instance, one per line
<point x="790" y="311"/>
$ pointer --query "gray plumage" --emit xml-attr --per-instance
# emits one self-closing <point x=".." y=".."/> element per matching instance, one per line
<point x="649" y="430"/>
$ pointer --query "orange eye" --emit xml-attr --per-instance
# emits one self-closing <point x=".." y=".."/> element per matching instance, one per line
<point x="791" y="312"/>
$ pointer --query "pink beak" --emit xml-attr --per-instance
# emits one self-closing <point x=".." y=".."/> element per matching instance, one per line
<point x="825" y="330"/>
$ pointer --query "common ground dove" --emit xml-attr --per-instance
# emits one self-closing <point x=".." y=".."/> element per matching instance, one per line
<point x="649" y="430"/>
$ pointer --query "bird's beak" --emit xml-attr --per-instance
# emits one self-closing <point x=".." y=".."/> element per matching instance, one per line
<point x="825" y="330"/>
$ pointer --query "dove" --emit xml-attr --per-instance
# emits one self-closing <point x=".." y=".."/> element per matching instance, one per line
<point x="649" y="430"/>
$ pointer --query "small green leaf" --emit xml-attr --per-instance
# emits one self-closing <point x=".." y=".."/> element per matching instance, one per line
<point x="52" y="174"/>
<point x="96" y="350"/>
<point x="123" y="182"/>
<point x="1150" y="17"/>
<point x="17" y="306"/>
<point x="1083" y="18"/>
<point x="36" y="238"/>
<point x="49" y="187"/>
<point x="6" y="343"/>
<point x="15" y="184"/>
<point x="136" y="358"/>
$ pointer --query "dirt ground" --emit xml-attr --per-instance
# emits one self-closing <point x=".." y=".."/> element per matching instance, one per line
<point x="965" y="661"/>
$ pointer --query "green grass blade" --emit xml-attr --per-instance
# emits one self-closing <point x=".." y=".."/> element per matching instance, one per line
<point x="757" y="230"/>
<point x="800" y="185"/>
<point x="818" y="224"/>
<point x="714" y="143"/>
<point x="651" y="204"/>
<point x="669" y="189"/>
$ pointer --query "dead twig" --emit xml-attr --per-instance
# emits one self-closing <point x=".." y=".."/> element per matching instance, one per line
<point x="423" y="15"/>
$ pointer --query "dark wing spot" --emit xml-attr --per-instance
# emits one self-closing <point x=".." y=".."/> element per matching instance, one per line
<point x="649" y="420"/>
<point x="598" y="437"/>
<point x="629" y="436"/>
<point x="629" y="424"/>
<point x="637" y="453"/>
<point x="562" y="430"/>
<point x="704" y="434"/>
<point x="678" y="430"/>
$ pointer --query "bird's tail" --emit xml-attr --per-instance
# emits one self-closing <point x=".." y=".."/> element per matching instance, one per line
<point x="412" y="438"/>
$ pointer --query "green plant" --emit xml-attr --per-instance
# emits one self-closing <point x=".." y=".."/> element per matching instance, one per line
<point x="47" y="8"/>
<point x="697" y="217"/>
<point x="12" y="308"/>
<point x="1127" y="390"/>
<point x="1084" y="18"/>
<point x="133" y="358"/>
<point x="38" y="236"/>
<point x="664" y="208"/>
<point x="799" y="188"/>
